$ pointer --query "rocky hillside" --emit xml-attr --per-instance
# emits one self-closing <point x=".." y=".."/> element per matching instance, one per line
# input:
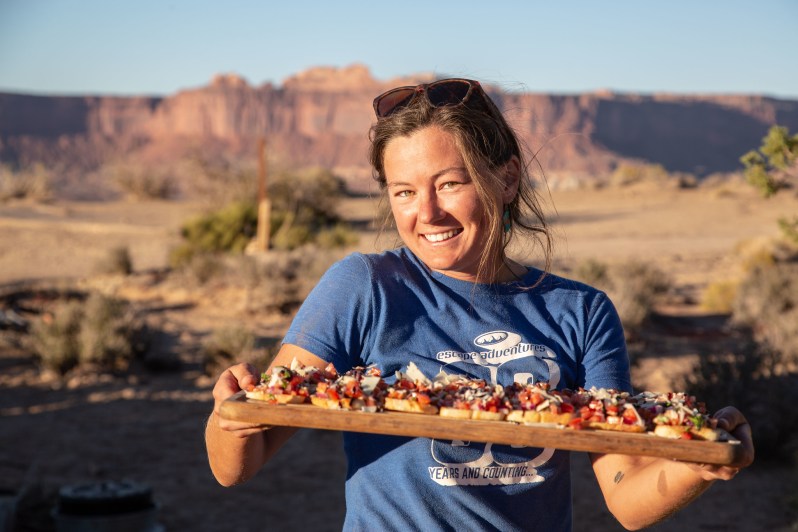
<point x="322" y="116"/>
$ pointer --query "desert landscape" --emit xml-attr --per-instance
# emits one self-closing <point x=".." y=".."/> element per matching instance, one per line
<point x="146" y="423"/>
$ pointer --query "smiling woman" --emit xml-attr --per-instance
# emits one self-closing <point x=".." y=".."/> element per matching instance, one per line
<point x="451" y="300"/>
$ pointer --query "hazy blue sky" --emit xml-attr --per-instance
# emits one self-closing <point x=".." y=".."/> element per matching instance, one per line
<point x="162" y="46"/>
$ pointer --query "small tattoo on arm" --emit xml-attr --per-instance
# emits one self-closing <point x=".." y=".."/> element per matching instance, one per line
<point x="618" y="476"/>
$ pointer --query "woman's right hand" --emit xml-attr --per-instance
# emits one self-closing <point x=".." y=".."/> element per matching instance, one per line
<point x="231" y="381"/>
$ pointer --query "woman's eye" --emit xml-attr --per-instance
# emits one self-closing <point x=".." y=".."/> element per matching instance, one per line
<point x="449" y="185"/>
<point x="403" y="193"/>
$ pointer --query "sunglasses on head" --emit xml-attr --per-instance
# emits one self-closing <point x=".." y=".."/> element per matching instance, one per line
<point x="454" y="91"/>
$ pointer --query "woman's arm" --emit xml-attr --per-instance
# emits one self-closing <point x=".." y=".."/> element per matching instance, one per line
<point x="641" y="491"/>
<point x="237" y="450"/>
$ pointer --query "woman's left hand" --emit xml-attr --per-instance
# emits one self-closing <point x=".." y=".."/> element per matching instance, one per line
<point x="731" y="420"/>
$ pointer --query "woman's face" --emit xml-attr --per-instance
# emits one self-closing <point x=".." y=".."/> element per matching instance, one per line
<point x="435" y="203"/>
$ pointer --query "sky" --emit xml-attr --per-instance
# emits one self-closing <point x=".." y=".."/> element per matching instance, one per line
<point x="159" y="47"/>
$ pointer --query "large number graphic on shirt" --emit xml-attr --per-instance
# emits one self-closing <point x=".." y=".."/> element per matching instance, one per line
<point x="507" y="358"/>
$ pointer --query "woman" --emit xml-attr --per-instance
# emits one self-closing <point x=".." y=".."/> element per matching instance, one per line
<point x="451" y="299"/>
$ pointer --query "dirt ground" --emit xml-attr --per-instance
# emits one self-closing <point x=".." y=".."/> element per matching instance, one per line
<point x="148" y="426"/>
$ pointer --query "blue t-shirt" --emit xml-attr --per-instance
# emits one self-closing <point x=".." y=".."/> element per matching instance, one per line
<point x="389" y="310"/>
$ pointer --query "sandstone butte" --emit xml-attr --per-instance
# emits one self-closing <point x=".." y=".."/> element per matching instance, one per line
<point x="321" y="117"/>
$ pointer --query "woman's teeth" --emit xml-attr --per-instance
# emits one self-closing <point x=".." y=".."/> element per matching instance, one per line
<point x="440" y="237"/>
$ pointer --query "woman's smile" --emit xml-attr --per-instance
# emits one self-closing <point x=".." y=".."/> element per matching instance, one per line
<point x="441" y="237"/>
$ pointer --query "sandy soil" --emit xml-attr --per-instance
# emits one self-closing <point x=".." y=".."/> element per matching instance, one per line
<point x="148" y="426"/>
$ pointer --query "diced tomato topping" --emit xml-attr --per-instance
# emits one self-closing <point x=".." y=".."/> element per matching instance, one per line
<point x="567" y="408"/>
<point x="575" y="423"/>
<point x="353" y="389"/>
<point x="332" y="394"/>
<point x="423" y="399"/>
<point x="629" y="417"/>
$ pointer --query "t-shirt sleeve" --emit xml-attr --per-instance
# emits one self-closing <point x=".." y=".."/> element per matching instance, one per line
<point x="334" y="320"/>
<point x="605" y="362"/>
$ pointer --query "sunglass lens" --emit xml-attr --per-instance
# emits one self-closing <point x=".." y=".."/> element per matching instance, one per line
<point x="448" y="92"/>
<point x="390" y="101"/>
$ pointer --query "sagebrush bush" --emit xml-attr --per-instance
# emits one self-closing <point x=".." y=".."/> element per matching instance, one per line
<point x="226" y="346"/>
<point x="280" y="281"/>
<point x="744" y="379"/>
<point x="106" y="333"/>
<point x="142" y="182"/>
<point x="34" y="182"/>
<point x="719" y="297"/>
<point x="767" y="304"/>
<point x="54" y="337"/>
<point x="338" y="236"/>
<point x="633" y="287"/>
<point x="592" y="272"/>
<point x="116" y="261"/>
<point x="98" y="332"/>
<point x="761" y="376"/>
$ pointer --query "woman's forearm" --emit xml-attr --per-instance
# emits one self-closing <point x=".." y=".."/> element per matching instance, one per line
<point x="233" y="458"/>
<point x="643" y="491"/>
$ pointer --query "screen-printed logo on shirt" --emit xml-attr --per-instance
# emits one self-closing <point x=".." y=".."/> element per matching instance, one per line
<point x="463" y="463"/>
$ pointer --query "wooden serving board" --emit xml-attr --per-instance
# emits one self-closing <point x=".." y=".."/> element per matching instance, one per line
<point x="239" y="408"/>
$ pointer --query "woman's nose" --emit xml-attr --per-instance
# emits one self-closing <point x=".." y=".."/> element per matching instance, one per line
<point x="429" y="209"/>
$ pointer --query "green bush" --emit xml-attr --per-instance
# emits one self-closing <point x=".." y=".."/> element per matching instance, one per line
<point x="789" y="229"/>
<point x="719" y="297"/>
<point x="303" y="211"/>
<point x="229" y="229"/>
<point x="338" y="236"/>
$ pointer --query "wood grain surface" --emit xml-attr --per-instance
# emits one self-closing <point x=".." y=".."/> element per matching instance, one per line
<point x="240" y="408"/>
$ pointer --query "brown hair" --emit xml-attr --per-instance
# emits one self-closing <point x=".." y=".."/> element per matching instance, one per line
<point x="486" y="142"/>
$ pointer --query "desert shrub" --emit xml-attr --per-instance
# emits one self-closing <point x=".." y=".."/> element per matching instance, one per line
<point x="719" y="297"/>
<point x="279" y="281"/>
<point x="633" y="287"/>
<point x="761" y="377"/>
<point x="200" y="268"/>
<point x="303" y="211"/>
<point x="338" y="236"/>
<point x="740" y="379"/>
<point x="106" y="331"/>
<point x="141" y="182"/>
<point x="592" y="272"/>
<point x="54" y="338"/>
<point x="789" y="229"/>
<point x="628" y="174"/>
<point x="33" y="183"/>
<point x="99" y="332"/>
<point x="226" y="230"/>
<point x="291" y="237"/>
<point x="767" y="304"/>
<point x="116" y="261"/>
<point x="225" y="347"/>
<point x="774" y="165"/>
<point x="221" y="181"/>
